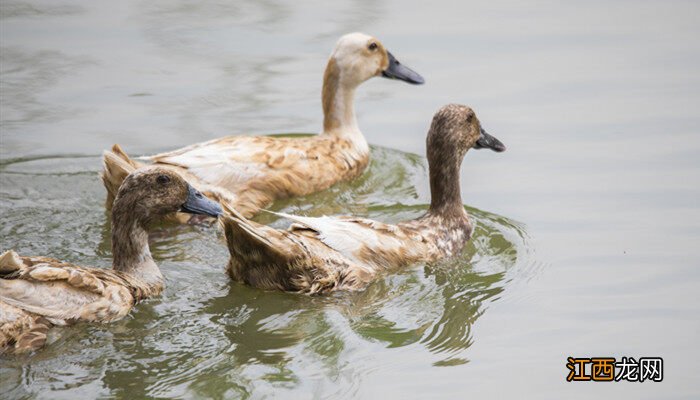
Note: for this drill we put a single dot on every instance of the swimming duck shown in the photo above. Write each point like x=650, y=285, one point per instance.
x=250, y=172
x=38, y=292
x=317, y=255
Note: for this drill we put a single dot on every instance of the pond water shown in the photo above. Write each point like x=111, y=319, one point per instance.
x=587, y=227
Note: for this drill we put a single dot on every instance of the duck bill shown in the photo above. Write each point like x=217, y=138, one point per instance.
x=487, y=141
x=396, y=70
x=197, y=203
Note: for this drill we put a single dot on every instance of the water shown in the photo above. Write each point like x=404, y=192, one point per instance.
x=587, y=226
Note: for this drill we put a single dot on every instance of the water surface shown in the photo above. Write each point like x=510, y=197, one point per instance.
x=587, y=227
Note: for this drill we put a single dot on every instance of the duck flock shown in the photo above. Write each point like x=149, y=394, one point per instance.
x=233, y=178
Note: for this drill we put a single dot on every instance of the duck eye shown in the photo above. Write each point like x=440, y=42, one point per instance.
x=163, y=179
x=372, y=46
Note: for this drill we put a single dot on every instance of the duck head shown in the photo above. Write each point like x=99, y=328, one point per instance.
x=455, y=129
x=356, y=58
x=153, y=192
x=359, y=57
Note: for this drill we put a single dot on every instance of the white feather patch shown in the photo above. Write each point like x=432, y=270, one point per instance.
x=343, y=236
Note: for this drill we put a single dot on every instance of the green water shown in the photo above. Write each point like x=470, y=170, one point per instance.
x=587, y=226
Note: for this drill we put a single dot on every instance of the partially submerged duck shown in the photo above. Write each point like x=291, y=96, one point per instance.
x=38, y=292
x=317, y=255
x=250, y=172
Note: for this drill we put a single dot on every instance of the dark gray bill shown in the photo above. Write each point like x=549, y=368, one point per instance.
x=197, y=203
x=487, y=141
x=396, y=70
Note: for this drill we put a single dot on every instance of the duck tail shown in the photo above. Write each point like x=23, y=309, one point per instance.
x=245, y=238
x=116, y=166
x=10, y=262
x=239, y=230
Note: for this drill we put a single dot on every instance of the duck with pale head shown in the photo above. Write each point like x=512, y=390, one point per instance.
x=250, y=172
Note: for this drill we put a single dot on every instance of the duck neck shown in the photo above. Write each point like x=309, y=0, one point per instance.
x=130, y=250
x=338, y=97
x=445, y=196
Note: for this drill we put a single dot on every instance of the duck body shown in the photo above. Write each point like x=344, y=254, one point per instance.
x=323, y=254
x=42, y=292
x=39, y=292
x=248, y=173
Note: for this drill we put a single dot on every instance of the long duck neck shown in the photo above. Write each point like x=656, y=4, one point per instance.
x=445, y=196
x=130, y=250
x=338, y=97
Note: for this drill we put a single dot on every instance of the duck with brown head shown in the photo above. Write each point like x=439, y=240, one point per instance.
x=455, y=129
x=250, y=172
x=37, y=292
x=323, y=254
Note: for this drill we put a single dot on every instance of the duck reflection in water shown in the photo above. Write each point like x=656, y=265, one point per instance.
x=433, y=308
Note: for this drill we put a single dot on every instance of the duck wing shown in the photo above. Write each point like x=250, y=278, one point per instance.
x=295, y=260
x=65, y=292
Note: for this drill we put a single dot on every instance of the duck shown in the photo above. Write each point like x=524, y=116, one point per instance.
x=39, y=292
x=251, y=172
x=324, y=254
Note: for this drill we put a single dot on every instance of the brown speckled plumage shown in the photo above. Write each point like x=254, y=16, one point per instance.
x=317, y=255
x=37, y=292
x=249, y=173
